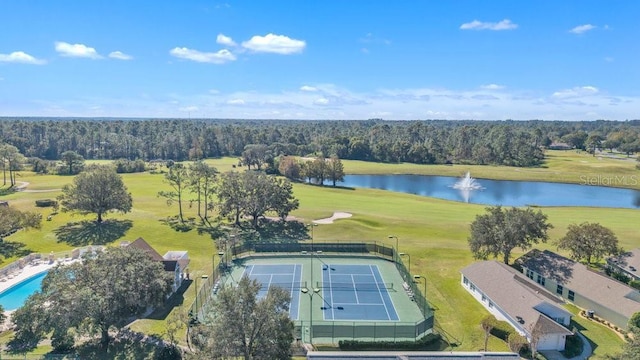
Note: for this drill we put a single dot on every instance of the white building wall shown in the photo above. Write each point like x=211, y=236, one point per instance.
x=495, y=310
x=551, y=342
x=547, y=342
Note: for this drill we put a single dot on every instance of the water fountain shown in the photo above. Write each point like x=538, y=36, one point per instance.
x=466, y=185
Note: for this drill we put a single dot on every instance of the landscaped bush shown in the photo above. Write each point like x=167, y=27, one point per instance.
x=128, y=166
x=620, y=276
x=502, y=330
x=46, y=203
x=635, y=284
x=422, y=344
x=573, y=346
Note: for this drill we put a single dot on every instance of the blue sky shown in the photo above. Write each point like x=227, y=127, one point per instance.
x=356, y=59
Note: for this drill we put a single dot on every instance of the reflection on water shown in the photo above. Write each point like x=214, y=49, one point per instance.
x=501, y=192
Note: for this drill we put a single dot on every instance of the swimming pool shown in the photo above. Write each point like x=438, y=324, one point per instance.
x=15, y=296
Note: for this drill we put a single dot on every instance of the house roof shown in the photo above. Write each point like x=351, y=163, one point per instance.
x=509, y=290
x=144, y=246
x=410, y=355
x=574, y=276
x=629, y=261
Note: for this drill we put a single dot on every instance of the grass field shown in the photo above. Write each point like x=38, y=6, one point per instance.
x=433, y=232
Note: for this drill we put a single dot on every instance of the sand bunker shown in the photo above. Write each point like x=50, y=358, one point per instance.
x=335, y=216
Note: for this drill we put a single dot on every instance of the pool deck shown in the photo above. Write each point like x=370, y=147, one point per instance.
x=21, y=275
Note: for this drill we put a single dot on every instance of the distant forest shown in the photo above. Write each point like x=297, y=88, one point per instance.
x=513, y=143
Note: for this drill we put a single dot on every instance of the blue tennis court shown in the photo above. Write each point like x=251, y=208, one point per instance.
x=286, y=276
x=356, y=292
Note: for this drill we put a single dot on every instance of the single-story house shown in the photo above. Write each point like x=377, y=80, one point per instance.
x=510, y=297
x=175, y=262
x=556, y=145
x=609, y=299
x=628, y=263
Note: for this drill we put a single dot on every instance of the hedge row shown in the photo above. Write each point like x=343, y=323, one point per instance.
x=421, y=344
x=46, y=203
x=502, y=330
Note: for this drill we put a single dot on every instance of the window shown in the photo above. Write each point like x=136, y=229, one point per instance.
x=484, y=298
x=559, y=289
x=530, y=274
x=472, y=287
x=490, y=305
x=465, y=280
x=540, y=280
x=572, y=295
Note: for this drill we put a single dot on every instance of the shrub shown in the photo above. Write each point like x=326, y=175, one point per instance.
x=46, y=203
x=421, y=344
x=573, y=346
x=635, y=284
x=502, y=330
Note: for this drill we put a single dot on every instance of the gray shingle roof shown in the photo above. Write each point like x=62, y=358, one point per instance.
x=508, y=289
x=629, y=261
x=574, y=276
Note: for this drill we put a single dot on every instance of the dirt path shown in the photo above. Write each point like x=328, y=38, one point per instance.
x=23, y=187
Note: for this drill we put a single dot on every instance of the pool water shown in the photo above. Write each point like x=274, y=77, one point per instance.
x=15, y=296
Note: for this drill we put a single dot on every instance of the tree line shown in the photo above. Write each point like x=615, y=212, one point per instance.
x=513, y=143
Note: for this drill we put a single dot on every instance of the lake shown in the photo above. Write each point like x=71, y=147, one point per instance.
x=502, y=192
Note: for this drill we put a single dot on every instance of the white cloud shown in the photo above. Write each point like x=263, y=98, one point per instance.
x=505, y=24
x=22, y=58
x=581, y=29
x=225, y=40
x=220, y=57
x=76, y=50
x=492, y=87
x=271, y=43
x=308, y=88
x=578, y=91
x=120, y=55
x=609, y=59
x=189, y=108
x=331, y=101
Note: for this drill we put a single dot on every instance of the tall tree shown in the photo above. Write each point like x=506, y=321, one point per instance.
x=589, y=241
x=11, y=159
x=98, y=294
x=487, y=324
x=202, y=180
x=231, y=195
x=318, y=169
x=98, y=189
x=12, y=219
x=499, y=231
x=335, y=170
x=241, y=324
x=178, y=180
x=73, y=162
x=289, y=167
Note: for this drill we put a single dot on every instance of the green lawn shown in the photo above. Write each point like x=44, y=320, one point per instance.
x=433, y=232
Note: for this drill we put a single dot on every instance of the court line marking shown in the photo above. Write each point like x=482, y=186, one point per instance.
x=333, y=314
x=355, y=292
x=293, y=283
x=380, y=293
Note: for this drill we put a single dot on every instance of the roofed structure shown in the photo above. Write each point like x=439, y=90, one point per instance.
x=610, y=299
x=513, y=298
